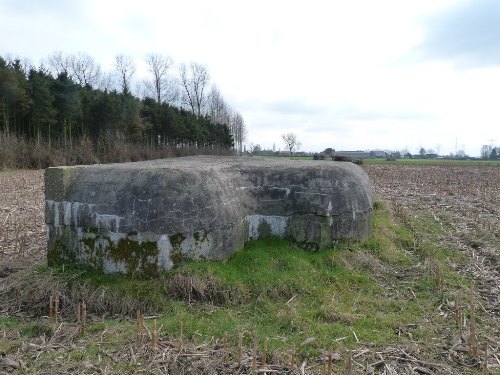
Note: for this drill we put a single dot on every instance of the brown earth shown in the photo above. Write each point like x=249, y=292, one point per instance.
x=22, y=223
x=463, y=202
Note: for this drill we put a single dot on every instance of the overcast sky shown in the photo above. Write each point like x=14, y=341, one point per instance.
x=358, y=74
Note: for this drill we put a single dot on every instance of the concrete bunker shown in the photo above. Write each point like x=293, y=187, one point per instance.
x=141, y=218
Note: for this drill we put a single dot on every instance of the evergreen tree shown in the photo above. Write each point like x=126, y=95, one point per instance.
x=43, y=112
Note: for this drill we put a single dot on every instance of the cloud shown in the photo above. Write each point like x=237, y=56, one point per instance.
x=59, y=8
x=467, y=34
x=391, y=115
x=293, y=106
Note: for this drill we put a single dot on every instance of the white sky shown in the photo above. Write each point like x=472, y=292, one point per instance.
x=358, y=74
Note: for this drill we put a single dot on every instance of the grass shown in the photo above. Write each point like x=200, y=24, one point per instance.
x=449, y=162
x=274, y=289
x=419, y=162
x=378, y=292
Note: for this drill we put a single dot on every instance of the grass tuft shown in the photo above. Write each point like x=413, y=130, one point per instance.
x=351, y=293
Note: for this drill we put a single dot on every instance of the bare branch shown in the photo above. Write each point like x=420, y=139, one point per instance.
x=194, y=82
x=291, y=142
x=125, y=69
x=160, y=86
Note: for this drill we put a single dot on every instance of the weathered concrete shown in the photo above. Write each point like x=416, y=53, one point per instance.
x=140, y=218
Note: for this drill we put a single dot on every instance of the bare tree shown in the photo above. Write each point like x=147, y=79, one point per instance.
x=107, y=82
x=160, y=86
x=238, y=131
x=58, y=63
x=194, y=81
x=291, y=142
x=253, y=148
x=125, y=69
x=80, y=67
x=217, y=107
x=84, y=69
x=486, y=151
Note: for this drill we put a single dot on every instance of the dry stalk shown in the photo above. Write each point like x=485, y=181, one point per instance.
x=154, y=338
x=349, y=362
x=78, y=313
x=240, y=344
x=485, y=364
x=329, y=364
x=264, y=354
x=473, y=344
x=138, y=327
x=292, y=359
x=181, y=337
x=17, y=238
x=56, y=308
x=224, y=344
x=458, y=313
x=254, y=355
x=83, y=317
x=51, y=303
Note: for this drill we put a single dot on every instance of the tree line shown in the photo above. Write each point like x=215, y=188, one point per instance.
x=68, y=99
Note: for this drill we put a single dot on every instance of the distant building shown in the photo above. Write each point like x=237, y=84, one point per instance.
x=378, y=154
x=328, y=152
x=265, y=153
x=354, y=155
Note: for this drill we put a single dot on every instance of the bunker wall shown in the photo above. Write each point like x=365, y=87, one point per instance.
x=141, y=218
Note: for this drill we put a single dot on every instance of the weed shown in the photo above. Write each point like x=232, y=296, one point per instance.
x=35, y=329
x=268, y=298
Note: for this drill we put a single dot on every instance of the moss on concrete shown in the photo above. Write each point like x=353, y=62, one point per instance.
x=177, y=256
x=89, y=242
x=264, y=229
x=94, y=230
x=200, y=237
x=59, y=254
x=140, y=258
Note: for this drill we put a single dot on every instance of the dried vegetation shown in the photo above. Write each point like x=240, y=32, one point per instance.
x=450, y=212
x=22, y=224
x=452, y=207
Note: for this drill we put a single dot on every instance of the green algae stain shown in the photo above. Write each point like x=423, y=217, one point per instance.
x=140, y=258
x=264, y=229
x=95, y=248
x=93, y=230
x=89, y=242
x=58, y=255
x=176, y=240
x=176, y=255
x=58, y=251
x=200, y=237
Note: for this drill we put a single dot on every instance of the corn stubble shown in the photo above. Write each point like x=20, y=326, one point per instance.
x=463, y=204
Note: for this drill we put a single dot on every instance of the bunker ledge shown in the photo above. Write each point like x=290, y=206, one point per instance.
x=145, y=217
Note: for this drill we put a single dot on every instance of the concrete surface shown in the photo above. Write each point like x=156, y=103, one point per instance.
x=141, y=218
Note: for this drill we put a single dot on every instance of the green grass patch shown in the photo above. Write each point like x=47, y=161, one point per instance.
x=272, y=288
x=450, y=162
x=35, y=329
x=8, y=322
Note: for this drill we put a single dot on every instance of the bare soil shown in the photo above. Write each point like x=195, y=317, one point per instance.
x=465, y=202
x=22, y=223
x=462, y=202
